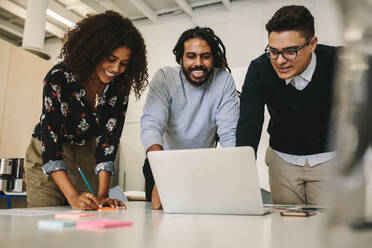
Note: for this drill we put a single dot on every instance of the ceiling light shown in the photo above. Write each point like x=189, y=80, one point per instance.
x=60, y=18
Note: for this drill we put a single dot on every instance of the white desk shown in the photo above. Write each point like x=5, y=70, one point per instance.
x=156, y=229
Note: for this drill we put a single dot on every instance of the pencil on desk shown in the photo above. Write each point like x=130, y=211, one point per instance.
x=299, y=209
x=85, y=180
x=308, y=208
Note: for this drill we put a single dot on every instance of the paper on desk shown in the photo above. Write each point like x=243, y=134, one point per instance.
x=117, y=193
x=33, y=212
x=135, y=195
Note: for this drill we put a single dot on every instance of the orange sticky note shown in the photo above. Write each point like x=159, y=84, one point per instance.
x=108, y=209
x=72, y=215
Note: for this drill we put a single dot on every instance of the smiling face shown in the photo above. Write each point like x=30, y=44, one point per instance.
x=197, y=61
x=284, y=68
x=112, y=66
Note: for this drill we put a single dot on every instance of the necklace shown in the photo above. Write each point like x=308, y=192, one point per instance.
x=98, y=98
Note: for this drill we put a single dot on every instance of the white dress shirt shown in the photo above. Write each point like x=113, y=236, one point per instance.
x=300, y=82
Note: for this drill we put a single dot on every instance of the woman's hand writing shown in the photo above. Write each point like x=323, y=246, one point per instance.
x=85, y=201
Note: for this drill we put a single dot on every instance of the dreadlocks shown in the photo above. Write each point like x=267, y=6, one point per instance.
x=215, y=43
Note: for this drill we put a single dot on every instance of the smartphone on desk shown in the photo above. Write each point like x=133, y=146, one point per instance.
x=298, y=213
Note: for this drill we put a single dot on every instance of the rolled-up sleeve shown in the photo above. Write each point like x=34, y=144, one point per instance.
x=52, y=166
x=105, y=166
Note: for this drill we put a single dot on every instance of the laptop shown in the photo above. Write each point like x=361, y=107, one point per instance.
x=208, y=181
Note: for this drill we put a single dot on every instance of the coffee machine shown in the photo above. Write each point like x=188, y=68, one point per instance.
x=5, y=174
x=17, y=173
x=11, y=172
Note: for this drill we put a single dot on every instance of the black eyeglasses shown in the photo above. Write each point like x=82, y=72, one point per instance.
x=288, y=54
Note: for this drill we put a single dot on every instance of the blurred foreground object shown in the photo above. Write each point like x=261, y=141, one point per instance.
x=346, y=224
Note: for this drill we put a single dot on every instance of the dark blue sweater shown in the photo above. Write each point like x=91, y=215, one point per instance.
x=300, y=120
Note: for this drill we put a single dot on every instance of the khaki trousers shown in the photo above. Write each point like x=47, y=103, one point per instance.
x=41, y=189
x=293, y=184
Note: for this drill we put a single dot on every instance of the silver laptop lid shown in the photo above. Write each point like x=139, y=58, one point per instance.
x=211, y=180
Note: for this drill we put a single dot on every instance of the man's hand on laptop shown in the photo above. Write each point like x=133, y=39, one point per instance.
x=155, y=147
x=155, y=200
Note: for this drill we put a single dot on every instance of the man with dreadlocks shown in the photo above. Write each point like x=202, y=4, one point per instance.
x=189, y=104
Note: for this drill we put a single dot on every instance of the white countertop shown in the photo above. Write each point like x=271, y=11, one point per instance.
x=155, y=229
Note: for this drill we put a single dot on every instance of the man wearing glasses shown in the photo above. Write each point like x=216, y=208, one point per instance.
x=294, y=78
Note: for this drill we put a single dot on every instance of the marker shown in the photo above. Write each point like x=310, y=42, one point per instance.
x=305, y=208
x=85, y=180
x=299, y=209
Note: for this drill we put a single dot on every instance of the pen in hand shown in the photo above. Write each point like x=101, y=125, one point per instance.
x=85, y=180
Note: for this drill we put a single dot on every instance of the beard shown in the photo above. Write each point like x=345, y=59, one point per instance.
x=197, y=68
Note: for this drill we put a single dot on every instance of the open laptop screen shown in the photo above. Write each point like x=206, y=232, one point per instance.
x=210, y=180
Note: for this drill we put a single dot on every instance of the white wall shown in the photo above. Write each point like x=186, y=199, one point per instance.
x=242, y=30
x=53, y=47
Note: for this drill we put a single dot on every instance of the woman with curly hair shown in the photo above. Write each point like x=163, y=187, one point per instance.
x=85, y=99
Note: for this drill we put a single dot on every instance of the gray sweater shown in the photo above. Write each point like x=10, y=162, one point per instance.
x=178, y=115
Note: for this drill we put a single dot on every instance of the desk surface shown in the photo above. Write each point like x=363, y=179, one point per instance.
x=156, y=229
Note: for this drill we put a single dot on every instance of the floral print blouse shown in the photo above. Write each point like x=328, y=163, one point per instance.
x=68, y=117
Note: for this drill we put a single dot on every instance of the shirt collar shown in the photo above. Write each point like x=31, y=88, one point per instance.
x=306, y=74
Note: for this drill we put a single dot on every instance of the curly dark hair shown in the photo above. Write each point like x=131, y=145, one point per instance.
x=95, y=37
x=292, y=17
x=215, y=43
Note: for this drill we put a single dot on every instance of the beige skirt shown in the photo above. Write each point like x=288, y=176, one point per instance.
x=41, y=189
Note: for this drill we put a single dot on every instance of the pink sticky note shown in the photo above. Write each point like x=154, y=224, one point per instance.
x=72, y=215
x=101, y=223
